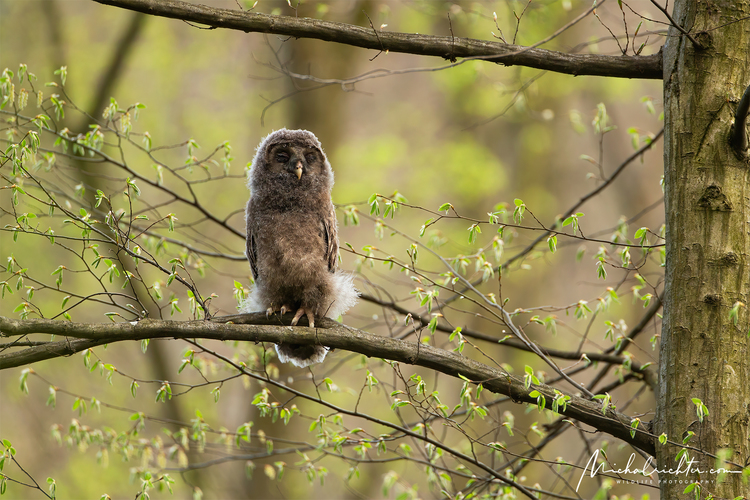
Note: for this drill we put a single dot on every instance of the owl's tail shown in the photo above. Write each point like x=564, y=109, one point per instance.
x=301, y=355
x=254, y=302
x=344, y=296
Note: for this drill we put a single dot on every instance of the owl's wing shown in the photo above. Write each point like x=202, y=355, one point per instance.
x=331, y=239
x=251, y=249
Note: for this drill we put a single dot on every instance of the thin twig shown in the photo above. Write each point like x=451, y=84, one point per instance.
x=518, y=20
x=376, y=35
x=452, y=57
x=674, y=23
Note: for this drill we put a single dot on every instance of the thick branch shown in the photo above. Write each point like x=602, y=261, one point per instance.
x=331, y=334
x=446, y=47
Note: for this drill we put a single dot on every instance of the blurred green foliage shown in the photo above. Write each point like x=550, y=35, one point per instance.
x=426, y=134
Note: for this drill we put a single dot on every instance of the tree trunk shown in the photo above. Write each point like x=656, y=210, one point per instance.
x=705, y=349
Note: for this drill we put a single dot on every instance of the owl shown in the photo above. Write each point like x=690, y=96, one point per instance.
x=292, y=241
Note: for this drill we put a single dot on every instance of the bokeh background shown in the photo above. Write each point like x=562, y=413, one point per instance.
x=477, y=135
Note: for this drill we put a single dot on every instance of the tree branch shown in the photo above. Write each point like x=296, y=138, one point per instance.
x=329, y=333
x=446, y=47
x=647, y=372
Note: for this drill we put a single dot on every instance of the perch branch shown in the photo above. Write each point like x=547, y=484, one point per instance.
x=331, y=334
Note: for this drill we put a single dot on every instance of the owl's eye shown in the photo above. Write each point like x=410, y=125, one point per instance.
x=282, y=157
x=310, y=157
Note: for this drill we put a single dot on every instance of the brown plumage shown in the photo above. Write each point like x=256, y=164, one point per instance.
x=292, y=241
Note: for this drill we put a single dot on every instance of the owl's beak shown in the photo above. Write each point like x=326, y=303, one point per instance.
x=298, y=170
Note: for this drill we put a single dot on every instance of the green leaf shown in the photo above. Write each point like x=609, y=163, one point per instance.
x=474, y=229
x=63, y=72
x=552, y=242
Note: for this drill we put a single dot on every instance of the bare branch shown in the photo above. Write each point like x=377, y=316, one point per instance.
x=648, y=373
x=446, y=47
x=630, y=159
x=677, y=26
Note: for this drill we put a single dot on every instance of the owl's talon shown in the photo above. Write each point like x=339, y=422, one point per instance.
x=285, y=309
x=269, y=311
x=310, y=316
x=297, y=316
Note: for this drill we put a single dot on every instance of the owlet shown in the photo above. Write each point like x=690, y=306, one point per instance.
x=292, y=241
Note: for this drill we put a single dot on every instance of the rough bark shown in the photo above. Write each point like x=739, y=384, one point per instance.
x=705, y=351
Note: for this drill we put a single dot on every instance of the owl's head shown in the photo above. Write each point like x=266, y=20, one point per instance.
x=291, y=160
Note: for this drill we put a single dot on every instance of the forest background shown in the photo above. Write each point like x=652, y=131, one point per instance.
x=475, y=135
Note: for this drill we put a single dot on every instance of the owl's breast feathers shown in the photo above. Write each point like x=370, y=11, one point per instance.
x=294, y=254
x=296, y=232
